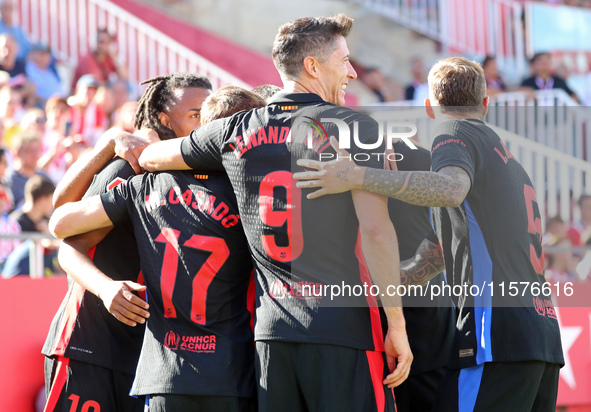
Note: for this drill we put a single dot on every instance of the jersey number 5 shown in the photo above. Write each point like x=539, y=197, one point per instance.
x=534, y=226
x=219, y=253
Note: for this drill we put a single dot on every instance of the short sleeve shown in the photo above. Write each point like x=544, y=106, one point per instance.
x=119, y=200
x=114, y=173
x=202, y=149
x=451, y=148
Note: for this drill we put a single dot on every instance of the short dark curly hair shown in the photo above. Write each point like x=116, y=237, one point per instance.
x=307, y=36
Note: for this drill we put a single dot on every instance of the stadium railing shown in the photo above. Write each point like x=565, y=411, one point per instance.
x=469, y=27
x=70, y=26
x=559, y=178
x=553, y=119
x=36, y=265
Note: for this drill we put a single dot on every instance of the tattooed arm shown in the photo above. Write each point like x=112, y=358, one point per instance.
x=423, y=266
x=446, y=188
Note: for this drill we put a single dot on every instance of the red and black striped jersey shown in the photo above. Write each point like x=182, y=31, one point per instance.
x=197, y=269
x=83, y=329
x=302, y=249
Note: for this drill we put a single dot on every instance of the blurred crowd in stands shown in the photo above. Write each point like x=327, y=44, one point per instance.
x=48, y=121
x=566, y=257
x=375, y=87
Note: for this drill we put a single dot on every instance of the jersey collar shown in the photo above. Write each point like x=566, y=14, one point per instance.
x=295, y=98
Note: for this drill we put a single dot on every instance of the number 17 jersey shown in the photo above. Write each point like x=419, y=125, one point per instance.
x=197, y=270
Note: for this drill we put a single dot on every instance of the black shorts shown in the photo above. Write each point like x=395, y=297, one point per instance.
x=306, y=377
x=198, y=403
x=417, y=393
x=79, y=386
x=500, y=386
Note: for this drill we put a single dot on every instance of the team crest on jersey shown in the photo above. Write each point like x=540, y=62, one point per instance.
x=115, y=182
x=172, y=340
x=298, y=290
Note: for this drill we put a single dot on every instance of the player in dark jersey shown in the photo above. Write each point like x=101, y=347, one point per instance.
x=429, y=322
x=197, y=352
x=507, y=351
x=91, y=356
x=307, y=345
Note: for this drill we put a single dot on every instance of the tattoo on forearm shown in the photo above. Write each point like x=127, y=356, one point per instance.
x=447, y=187
x=424, y=266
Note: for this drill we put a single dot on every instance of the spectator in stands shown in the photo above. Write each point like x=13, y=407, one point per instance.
x=34, y=122
x=266, y=91
x=100, y=62
x=578, y=227
x=38, y=71
x=105, y=99
x=8, y=58
x=17, y=263
x=7, y=26
x=555, y=229
x=57, y=112
x=121, y=93
x=375, y=80
x=33, y=217
x=11, y=112
x=543, y=79
x=88, y=118
x=125, y=116
x=38, y=207
x=494, y=82
x=8, y=226
x=418, y=78
x=74, y=147
x=561, y=264
x=27, y=153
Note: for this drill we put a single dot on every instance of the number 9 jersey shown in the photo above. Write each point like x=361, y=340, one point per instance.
x=311, y=283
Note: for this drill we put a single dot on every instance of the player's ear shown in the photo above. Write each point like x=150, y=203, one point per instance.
x=429, y=109
x=485, y=106
x=164, y=119
x=311, y=67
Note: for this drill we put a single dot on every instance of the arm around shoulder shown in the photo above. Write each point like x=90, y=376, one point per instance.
x=165, y=155
x=79, y=217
